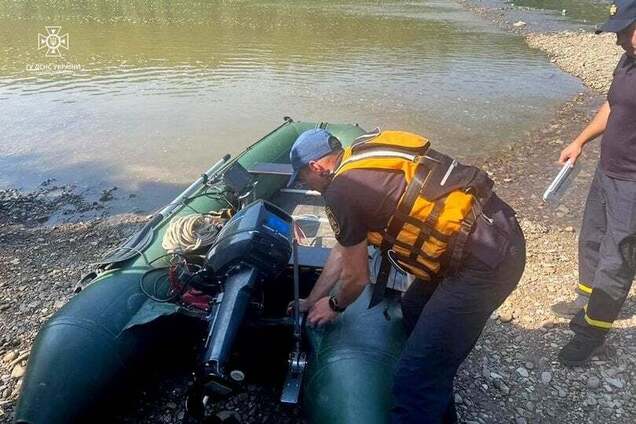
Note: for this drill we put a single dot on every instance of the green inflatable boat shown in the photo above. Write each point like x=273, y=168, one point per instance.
x=269, y=247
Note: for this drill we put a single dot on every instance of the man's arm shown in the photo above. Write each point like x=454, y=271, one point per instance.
x=354, y=276
x=328, y=277
x=593, y=130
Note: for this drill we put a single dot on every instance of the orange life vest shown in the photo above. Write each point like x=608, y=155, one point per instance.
x=427, y=233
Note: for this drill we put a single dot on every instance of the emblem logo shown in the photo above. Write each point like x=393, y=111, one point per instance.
x=613, y=10
x=53, y=41
x=332, y=221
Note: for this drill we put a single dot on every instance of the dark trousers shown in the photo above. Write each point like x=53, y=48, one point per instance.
x=607, y=253
x=444, y=319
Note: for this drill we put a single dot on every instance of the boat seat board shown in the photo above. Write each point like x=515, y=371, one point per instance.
x=310, y=256
x=309, y=213
x=269, y=168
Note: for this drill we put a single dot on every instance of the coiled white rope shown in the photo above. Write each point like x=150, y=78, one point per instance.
x=188, y=233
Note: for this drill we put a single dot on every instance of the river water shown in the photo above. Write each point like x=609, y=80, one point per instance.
x=152, y=92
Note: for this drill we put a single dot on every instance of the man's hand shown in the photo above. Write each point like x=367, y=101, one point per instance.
x=593, y=130
x=571, y=152
x=304, y=306
x=321, y=313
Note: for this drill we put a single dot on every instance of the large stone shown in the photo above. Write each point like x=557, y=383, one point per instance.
x=522, y=372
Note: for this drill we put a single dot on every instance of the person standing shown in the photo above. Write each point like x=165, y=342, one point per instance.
x=607, y=241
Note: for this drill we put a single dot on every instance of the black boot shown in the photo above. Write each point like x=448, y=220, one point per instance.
x=567, y=309
x=579, y=350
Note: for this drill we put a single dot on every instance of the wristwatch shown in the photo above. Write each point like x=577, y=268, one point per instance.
x=333, y=304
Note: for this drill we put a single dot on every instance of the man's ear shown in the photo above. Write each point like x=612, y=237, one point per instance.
x=315, y=166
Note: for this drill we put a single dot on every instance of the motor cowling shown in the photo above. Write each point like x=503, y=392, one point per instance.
x=259, y=236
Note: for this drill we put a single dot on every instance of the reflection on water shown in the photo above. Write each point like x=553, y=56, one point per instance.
x=167, y=87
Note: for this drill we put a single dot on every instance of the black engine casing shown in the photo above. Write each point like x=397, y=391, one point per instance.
x=260, y=235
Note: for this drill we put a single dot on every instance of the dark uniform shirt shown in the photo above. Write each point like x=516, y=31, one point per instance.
x=618, y=147
x=362, y=201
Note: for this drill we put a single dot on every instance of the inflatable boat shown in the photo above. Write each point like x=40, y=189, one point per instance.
x=231, y=304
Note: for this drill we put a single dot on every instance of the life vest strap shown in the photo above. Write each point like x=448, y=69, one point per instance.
x=426, y=229
x=417, y=264
x=396, y=223
x=458, y=243
x=433, y=232
x=395, y=242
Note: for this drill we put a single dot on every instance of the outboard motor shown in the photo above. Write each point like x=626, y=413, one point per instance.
x=253, y=246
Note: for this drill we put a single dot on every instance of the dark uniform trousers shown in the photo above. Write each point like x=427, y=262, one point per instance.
x=607, y=249
x=444, y=319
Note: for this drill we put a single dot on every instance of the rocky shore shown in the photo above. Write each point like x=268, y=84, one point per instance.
x=511, y=376
x=589, y=57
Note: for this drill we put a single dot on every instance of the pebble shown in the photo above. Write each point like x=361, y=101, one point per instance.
x=593, y=382
x=18, y=371
x=458, y=399
x=522, y=372
x=546, y=377
x=521, y=420
x=505, y=317
x=547, y=324
x=590, y=401
x=15, y=261
x=9, y=356
x=615, y=382
x=501, y=386
x=519, y=24
x=485, y=373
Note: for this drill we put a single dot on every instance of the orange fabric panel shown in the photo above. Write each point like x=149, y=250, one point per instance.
x=400, y=139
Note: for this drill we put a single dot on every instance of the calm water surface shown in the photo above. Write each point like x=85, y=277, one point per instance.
x=583, y=11
x=161, y=89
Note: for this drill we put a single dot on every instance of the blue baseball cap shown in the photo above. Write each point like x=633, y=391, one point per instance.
x=622, y=15
x=311, y=145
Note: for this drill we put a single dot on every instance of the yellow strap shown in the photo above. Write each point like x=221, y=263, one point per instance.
x=585, y=289
x=597, y=323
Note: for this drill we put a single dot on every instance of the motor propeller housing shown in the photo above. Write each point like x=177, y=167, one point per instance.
x=255, y=245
